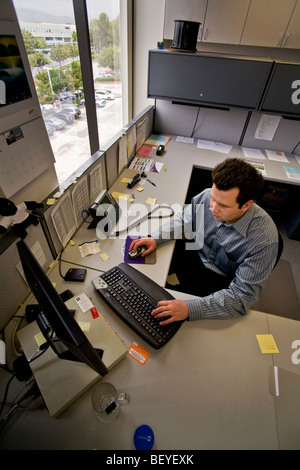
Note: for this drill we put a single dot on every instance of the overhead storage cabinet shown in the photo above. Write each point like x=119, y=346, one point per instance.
x=283, y=93
x=207, y=80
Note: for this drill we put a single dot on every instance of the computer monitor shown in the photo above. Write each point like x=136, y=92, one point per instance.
x=55, y=321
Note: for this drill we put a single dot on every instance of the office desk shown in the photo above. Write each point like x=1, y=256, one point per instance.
x=208, y=388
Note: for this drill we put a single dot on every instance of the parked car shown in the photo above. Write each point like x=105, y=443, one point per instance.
x=53, y=121
x=72, y=110
x=65, y=95
x=99, y=102
x=47, y=107
x=104, y=94
x=50, y=129
x=68, y=117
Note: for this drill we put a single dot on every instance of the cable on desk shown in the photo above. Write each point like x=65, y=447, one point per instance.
x=145, y=217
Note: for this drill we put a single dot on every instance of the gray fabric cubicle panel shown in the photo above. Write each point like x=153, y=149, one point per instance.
x=210, y=124
x=85, y=170
x=286, y=137
x=14, y=290
x=111, y=149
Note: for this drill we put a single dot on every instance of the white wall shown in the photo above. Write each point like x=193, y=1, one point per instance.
x=148, y=23
x=41, y=186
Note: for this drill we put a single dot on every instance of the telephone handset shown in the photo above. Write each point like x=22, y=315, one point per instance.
x=105, y=209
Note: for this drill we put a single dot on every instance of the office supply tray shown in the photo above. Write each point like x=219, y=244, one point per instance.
x=133, y=296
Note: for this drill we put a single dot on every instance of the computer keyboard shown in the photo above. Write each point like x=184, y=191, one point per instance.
x=133, y=296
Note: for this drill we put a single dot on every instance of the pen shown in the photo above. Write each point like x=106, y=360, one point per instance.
x=151, y=182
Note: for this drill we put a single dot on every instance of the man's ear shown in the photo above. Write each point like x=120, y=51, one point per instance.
x=247, y=205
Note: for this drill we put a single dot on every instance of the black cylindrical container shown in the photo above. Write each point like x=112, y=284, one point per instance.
x=185, y=35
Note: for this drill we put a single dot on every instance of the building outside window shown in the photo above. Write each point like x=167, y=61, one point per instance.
x=50, y=37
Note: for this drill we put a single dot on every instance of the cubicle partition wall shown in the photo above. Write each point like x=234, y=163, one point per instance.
x=63, y=209
x=64, y=216
x=14, y=288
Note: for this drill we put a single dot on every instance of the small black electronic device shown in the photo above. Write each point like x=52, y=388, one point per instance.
x=138, y=252
x=75, y=275
x=160, y=150
x=105, y=209
x=134, y=180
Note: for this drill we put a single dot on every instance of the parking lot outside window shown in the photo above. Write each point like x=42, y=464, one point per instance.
x=56, y=68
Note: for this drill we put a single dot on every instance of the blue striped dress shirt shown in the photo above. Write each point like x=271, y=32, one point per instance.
x=246, y=249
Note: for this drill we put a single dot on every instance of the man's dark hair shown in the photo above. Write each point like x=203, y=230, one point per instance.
x=236, y=173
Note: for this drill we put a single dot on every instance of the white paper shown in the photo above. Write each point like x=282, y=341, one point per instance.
x=89, y=248
x=83, y=302
x=260, y=166
x=141, y=164
x=63, y=219
x=216, y=146
x=253, y=153
x=186, y=140
x=97, y=180
x=267, y=127
x=80, y=199
x=141, y=132
x=277, y=156
x=123, y=157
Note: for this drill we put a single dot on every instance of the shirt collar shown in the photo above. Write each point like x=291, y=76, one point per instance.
x=243, y=223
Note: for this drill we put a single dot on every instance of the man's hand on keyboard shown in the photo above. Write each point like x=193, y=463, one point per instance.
x=175, y=310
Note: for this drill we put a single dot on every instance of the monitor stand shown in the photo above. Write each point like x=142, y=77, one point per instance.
x=70, y=378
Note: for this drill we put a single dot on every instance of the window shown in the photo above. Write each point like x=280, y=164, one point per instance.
x=56, y=67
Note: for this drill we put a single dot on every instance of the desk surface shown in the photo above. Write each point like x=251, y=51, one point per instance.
x=208, y=388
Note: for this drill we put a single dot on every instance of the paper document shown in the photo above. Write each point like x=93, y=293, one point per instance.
x=292, y=173
x=253, y=153
x=267, y=127
x=141, y=164
x=97, y=180
x=63, y=219
x=80, y=199
x=277, y=156
x=157, y=140
x=215, y=146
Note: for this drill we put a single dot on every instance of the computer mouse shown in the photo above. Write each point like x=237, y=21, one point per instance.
x=135, y=254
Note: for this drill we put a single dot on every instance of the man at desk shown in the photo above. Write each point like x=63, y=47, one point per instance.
x=239, y=250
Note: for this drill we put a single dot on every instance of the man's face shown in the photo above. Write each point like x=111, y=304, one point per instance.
x=224, y=206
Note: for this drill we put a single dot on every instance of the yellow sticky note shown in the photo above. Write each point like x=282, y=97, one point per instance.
x=40, y=339
x=140, y=189
x=51, y=201
x=84, y=325
x=150, y=200
x=104, y=256
x=117, y=195
x=267, y=344
x=125, y=180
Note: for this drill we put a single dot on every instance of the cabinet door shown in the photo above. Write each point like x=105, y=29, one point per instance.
x=188, y=10
x=206, y=80
x=266, y=22
x=283, y=93
x=224, y=21
x=292, y=35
